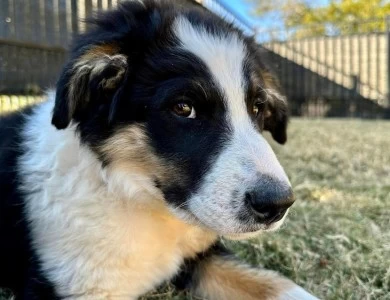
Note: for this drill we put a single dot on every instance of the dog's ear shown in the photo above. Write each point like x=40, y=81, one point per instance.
x=103, y=58
x=94, y=76
x=276, y=110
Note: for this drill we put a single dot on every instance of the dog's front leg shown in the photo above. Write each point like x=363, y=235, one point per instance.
x=217, y=275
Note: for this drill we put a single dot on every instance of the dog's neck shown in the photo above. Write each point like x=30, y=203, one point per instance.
x=78, y=211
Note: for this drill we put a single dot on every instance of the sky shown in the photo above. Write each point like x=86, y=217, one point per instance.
x=246, y=7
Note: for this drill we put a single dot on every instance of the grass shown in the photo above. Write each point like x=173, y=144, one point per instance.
x=336, y=240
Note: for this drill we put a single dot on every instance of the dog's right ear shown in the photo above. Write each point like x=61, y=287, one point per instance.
x=94, y=76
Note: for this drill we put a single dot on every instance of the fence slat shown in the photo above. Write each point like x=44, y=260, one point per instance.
x=74, y=16
x=5, y=19
x=388, y=61
x=62, y=23
x=49, y=22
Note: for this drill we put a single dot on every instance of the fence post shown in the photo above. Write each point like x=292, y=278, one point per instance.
x=74, y=8
x=5, y=19
x=387, y=105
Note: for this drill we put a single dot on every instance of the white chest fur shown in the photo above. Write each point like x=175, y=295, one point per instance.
x=91, y=240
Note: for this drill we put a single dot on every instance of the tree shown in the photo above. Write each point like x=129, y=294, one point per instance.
x=307, y=18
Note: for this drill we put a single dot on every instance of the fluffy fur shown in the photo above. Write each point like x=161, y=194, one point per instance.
x=110, y=189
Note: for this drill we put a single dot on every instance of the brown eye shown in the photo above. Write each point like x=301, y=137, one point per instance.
x=184, y=110
x=257, y=108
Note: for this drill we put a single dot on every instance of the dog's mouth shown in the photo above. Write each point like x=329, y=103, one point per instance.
x=241, y=231
x=255, y=233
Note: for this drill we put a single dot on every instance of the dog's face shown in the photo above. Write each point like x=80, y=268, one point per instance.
x=174, y=102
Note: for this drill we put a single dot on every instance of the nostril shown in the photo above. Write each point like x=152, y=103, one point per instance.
x=258, y=207
x=269, y=214
x=248, y=198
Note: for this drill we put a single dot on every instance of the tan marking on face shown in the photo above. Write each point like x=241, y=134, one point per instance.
x=129, y=149
x=223, y=279
x=98, y=51
x=267, y=113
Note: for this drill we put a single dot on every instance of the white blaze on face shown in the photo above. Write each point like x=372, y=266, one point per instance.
x=224, y=56
x=247, y=156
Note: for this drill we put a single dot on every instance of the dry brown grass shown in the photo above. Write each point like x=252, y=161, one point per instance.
x=336, y=241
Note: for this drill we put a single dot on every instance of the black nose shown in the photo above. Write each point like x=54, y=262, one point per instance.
x=270, y=199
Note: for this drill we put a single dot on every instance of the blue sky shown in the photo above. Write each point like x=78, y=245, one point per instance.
x=245, y=9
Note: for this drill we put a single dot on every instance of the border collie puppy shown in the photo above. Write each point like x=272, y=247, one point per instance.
x=149, y=150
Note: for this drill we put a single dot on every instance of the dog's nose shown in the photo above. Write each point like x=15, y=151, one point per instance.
x=270, y=199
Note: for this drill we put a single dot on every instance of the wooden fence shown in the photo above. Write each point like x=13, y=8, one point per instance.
x=34, y=38
x=349, y=71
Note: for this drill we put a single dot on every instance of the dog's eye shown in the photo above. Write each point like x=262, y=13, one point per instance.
x=185, y=110
x=257, y=108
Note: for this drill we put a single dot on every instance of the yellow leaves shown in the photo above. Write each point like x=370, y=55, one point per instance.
x=305, y=16
x=310, y=192
x=324, y=194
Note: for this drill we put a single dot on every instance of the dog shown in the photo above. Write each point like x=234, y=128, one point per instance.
x=150, y=149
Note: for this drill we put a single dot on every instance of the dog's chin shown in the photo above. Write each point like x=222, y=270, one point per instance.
x=243, y=236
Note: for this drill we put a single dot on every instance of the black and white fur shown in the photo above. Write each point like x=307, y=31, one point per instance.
x=106, y=192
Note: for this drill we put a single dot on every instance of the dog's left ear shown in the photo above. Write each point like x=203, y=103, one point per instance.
x=93, y=76
x=276, y=110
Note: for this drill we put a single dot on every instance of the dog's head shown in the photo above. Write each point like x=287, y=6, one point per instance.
x=174, y=102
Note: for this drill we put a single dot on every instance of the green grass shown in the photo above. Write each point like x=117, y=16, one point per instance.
x=336, y=240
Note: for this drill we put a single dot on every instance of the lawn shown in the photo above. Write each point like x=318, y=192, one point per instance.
x=336, y=240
